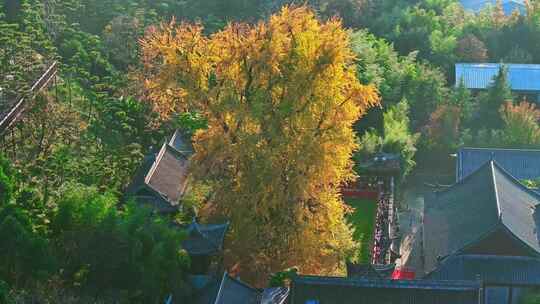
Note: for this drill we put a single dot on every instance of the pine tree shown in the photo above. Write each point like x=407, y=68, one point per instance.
x=6, y=181
x=498, y=93
x=462, y=98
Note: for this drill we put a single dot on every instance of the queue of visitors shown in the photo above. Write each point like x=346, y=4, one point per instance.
x=381, y=240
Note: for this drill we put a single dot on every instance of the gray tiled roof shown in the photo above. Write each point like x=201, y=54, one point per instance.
x=181, y=143
x=168, y=175
x=205, y=239
x=381, y=163
x=491, y=269
x=347, y=290
x=487, y=201
x=369, y=271
x=522, y=164
x=162, y=179
x=228, y=290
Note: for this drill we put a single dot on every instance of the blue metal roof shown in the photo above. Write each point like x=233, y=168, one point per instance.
x=508, y=5
x=522, y=164
x=521, y=77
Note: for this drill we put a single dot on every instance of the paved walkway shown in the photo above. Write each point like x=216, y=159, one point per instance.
x=410, y=220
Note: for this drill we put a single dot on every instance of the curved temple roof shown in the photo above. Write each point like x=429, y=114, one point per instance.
x=161, y=181
x=487, y=201
x=205, y=239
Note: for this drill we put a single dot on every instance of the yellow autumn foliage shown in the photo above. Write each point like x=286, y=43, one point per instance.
x=280, y=98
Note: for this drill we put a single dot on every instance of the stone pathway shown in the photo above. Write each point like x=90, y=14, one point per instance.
x=410, y=221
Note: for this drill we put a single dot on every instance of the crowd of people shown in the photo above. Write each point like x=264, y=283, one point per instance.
x=381, y=240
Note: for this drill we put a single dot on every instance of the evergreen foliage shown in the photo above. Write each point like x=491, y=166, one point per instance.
x=397, y=138
x=498, y=93
x=62, y=228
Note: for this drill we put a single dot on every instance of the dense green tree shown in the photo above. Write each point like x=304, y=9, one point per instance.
x=397, y=77
x=121, y=37
x=6, y=181
x=471, y=49
x=25, y=255
x=521, y=128
x=462, y=98
x=443, y=129
x=497, y=94
x=396, y=138
x=518, y=55
x=104, y=251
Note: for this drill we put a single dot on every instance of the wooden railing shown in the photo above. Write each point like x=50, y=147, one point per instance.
x=18, y=108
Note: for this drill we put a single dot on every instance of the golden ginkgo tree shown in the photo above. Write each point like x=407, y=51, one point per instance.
x=280, y=98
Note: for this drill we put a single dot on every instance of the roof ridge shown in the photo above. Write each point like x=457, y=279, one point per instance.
x=520, y=240
x=393, y=283
x=215, y=243
x=155, y=164
x=178, y=153
x=493, y=256
x=171, y=141
x=495, y=189
x=157, y=192
x=220, y=287
x=463, y=180
x=516, y=181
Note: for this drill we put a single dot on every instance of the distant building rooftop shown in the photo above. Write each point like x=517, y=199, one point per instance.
x=380, y=163
x=509, y=6
x=520, y=163
x=521, y=77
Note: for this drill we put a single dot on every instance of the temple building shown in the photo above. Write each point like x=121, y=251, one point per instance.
x=204, y=244
x=487, y=213
x=162, y=180
x=228, y=290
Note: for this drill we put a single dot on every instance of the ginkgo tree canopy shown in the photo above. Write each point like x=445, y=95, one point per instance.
x=280, y=98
